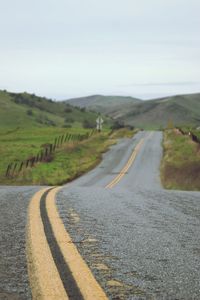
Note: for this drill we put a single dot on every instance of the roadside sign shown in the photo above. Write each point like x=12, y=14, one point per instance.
x=99, y=122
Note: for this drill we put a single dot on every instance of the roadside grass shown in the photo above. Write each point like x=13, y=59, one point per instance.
x=180, y=168
x=19, y=144
x=67, y=163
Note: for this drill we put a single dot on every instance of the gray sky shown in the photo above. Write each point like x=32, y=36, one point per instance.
x=69, y=48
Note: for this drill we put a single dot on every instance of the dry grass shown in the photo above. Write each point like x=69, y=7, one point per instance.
x=181, y=162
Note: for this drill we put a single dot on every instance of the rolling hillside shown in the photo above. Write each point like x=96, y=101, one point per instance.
x=29, y=110
x=155, y=114
x=180, y=110
x=109, y=105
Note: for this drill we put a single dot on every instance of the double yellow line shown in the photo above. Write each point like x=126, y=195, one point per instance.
x=45, y=279
x=126, y=167
x=45, y=276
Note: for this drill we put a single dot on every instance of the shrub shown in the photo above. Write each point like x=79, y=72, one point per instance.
x=67, y=126
x=69, y=120
x=29, y=112
x=68, y=110
x=88, y=124
x=117, y=125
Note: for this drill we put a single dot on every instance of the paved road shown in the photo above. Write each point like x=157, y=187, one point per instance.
x=14, y=203
x=141, y=241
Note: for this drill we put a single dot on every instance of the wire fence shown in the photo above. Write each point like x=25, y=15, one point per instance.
x=45, y=155
x=193, y=136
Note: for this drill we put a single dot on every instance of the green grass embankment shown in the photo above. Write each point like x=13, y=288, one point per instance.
x=181, y=162
x=68, y=162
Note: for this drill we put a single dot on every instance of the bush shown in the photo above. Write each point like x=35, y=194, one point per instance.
x=29, y=112
x=88, y=124
x=117, y=125
x=69, y=120
x=68, y=110
x=67, y=126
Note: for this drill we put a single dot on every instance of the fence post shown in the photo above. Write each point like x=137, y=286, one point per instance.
x=8, y=170
x=38, y=157
x=62, y=138
x=46, y=152
x=66, y=137
x=41, y=155
x=51, y=148
x=32, y=161
x=21, y=166
x=55, y=144
x=15, y=166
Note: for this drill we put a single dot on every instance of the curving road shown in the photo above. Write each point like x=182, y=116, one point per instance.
x=140, y=241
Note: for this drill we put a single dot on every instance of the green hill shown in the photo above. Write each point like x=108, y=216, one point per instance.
x=30, y=124
x=180, y=110
x=109, y=105
x=29, y=110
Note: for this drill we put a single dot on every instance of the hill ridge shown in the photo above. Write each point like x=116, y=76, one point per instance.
x=181, y=109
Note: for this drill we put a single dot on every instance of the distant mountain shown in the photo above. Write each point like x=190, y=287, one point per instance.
x=156, y=113
x=29, y=110
x=110, y=105
x=179, y=110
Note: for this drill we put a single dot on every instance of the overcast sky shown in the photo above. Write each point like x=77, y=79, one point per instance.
x=70, y=48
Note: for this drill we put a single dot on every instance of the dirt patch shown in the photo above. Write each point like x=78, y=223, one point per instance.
x=186, y=175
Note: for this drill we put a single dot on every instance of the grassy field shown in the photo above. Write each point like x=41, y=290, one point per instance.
x=28, y=123
x=68, y=162
x=181, y=162
x=19, y=145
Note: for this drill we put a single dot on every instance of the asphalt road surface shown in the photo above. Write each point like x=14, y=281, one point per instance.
x=14, y=203
x=140, y=241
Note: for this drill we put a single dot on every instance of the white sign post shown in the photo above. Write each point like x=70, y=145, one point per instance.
x=99, y=122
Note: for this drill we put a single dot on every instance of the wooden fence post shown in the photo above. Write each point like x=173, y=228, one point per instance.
x=8, y=169
x=41, y=155
x=32, y=161
x=15, y=166
x=46, y=152
x=21, y=166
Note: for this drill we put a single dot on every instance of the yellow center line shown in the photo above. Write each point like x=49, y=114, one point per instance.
x=43, y=275
x=127, y=166
x=45, y=280
x=85, y=280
